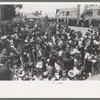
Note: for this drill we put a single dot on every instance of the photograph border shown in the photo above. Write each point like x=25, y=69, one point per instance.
x=51, y=97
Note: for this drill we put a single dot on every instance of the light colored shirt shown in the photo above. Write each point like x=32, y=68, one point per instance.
x=88, y=56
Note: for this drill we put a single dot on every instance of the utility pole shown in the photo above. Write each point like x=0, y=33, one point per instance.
x=78, y=10
x=0, y=13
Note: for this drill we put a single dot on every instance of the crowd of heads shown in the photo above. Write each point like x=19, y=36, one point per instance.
x=49, y=50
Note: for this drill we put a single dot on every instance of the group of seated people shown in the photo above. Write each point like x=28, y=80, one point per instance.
x=48, y=51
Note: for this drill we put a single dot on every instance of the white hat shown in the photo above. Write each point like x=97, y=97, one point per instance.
x=1, y=65
x=27, y=26
x=4, y=37
x=26, y=41
x=45, y=73
x=71, y=73
x=57, y=75
x=91, y=26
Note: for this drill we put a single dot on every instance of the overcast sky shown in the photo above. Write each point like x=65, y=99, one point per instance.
x=48, y=8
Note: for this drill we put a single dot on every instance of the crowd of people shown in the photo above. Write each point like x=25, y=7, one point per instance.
x=48, y=50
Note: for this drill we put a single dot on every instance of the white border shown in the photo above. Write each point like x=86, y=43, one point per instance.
x=49, y=2
x=45, y=89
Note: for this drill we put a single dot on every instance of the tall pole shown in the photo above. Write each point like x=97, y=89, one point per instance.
x=78, y=10
x=0, y=13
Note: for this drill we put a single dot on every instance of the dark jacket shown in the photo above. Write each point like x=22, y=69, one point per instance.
x=68, y=63
x=5, y=73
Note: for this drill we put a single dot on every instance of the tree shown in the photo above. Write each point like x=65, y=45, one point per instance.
x=9, y=11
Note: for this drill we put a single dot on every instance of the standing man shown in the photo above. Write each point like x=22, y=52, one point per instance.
x=99, y=29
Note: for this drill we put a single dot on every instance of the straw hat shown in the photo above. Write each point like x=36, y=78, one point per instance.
x=1, y=65
x=71, y=73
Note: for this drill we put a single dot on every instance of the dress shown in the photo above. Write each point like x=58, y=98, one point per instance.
x=88, y=63
x=68, y=63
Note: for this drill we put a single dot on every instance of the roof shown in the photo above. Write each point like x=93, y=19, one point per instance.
x=31, y=16
x=67, y=9
x=93, y=7
x=93, y=18
x=70, y=17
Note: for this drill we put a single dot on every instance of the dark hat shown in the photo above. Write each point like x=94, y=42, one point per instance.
x=55, y=53
x=59, y=62
x=67, y=53
x=28, y=46
x=89, y=49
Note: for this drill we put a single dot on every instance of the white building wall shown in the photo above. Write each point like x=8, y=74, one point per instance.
x=63, y=12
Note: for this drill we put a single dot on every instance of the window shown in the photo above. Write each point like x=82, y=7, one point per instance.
x=99, y=12
x=67, y=13
x=89, y=13
x=63, y=13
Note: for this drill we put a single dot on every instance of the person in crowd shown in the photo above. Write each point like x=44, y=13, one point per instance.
x=88, y=62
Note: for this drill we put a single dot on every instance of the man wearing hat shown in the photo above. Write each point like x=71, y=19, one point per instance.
x=99, y=29
x=58, y=68
x=5, y=73
x=68, y=62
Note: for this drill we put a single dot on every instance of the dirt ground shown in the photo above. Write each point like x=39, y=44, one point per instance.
x=82, y=29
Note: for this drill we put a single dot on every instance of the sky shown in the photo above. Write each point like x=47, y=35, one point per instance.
x=48, y=8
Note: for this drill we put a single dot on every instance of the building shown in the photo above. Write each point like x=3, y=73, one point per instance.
x=68, y=15
x=68, y=12
x=91, y=15
x=34, y=15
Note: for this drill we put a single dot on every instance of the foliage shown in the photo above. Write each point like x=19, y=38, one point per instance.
x=9, y=11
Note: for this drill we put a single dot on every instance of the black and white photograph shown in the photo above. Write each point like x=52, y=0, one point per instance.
x=50, y=42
